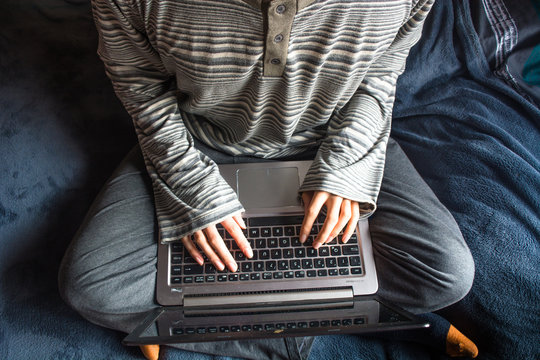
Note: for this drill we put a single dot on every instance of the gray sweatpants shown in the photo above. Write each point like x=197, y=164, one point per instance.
x=109, y=271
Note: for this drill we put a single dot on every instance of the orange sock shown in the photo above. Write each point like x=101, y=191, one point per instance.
x=151, y=352
x=458, y=345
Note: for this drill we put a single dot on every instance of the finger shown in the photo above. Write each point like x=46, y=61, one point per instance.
x=202, y=243
x=192, y=249
x=311, y=211
x=344, y=217
x=306, y=198
x=215, y=240
x=351, y=226
x=240, y=221
x=237, y=234
x=333, y=208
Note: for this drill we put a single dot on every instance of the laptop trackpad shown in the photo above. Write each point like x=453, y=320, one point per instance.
x=268, y=187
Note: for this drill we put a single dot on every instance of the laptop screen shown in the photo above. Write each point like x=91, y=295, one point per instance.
x=361, y=315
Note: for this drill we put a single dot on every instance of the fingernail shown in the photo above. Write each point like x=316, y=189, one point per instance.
x=233, y=267
x=303, y=238
x=345, y=239
x=249, y=253
x=199, y=260
x=316, y=245
x=242, y=223
x=219, y=265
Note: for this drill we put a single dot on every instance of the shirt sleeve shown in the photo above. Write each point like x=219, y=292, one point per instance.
x=189, y=192
x=350, y=160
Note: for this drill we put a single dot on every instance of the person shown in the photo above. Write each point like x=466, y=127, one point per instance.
x=212, y=81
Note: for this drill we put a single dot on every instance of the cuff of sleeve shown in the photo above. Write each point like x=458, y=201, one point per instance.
x=347, y=184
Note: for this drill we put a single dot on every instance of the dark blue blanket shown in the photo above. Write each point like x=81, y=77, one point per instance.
x=473, y=135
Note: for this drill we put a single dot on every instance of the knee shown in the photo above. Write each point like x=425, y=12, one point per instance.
x=451, y=279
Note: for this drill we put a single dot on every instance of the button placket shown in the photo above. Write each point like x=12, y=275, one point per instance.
x=280, y=15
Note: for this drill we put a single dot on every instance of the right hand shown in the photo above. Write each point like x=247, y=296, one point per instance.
x=212, y=245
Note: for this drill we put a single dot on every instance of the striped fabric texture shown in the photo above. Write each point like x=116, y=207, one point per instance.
x=197, y=68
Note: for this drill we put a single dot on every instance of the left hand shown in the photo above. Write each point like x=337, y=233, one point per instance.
x=341, y=214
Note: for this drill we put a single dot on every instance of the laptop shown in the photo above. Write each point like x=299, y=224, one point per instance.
x=286, y=289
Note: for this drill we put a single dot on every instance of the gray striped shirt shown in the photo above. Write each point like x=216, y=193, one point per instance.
x=266, y=79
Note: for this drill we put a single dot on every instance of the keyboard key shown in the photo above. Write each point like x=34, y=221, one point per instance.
x=222, y=278
x=209, y=269
x=177, y=331
x=224, y=329
x=176, y=270
x=246, y=266
x=235, y=328
x=322, y=272
x=350, y=250
x=333, y=272
x=283, y=265
x=335, y=250
x=300, y=274
x=210, y=278
x=266, y=232
x=288, y=274
x=307, y=264
x=359, y=321
x=233, y=277
x=289, y=231
x=324, y=251
x=212, y=329
x=331, y=262
x=311, y=273
x=319, y=263
x=288, y=253
x=343, y=261
x=176, y=259
x=260, y=243
x=295, y=241
x=302, y=325
x=325, y=323
x=190, y=331
x=291, y=325
x=356, y=271
x=294, y=264
x=258, y=266
x=314, y=324
x=255, y=276
x=269, y=327
x=343, y=271
x=271, y=265
x=177, y=247
x=239, y=256
x=272, y=242
x=300, y=252
x=253, y=233
x=346, y=322
x=280, y=326
x=193, y=269
x=355, y=260
x=188, y=280
x=275, y=253
x=176, y=280
x=201, y=330
x=277, y=231
x=257, y=327
x=278, y=275
x=311, y=252
x=284, y=242
x=267, y=276
x=244, y=277
x=199, y=279
x=336, y=322
x=246, y=327
x=264, y=254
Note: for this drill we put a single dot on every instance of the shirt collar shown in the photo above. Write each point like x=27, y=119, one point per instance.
x=300, y=4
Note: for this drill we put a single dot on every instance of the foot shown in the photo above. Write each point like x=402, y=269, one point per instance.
x=458, y=345
x=151, y=352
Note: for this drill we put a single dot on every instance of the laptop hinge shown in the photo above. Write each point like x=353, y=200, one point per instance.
x=268, y=298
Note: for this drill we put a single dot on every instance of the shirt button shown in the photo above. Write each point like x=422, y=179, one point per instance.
x=280, y=9
x=278, y=38
x=275, y=61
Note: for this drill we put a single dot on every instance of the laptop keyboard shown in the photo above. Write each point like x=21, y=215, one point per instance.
x=277, y=254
